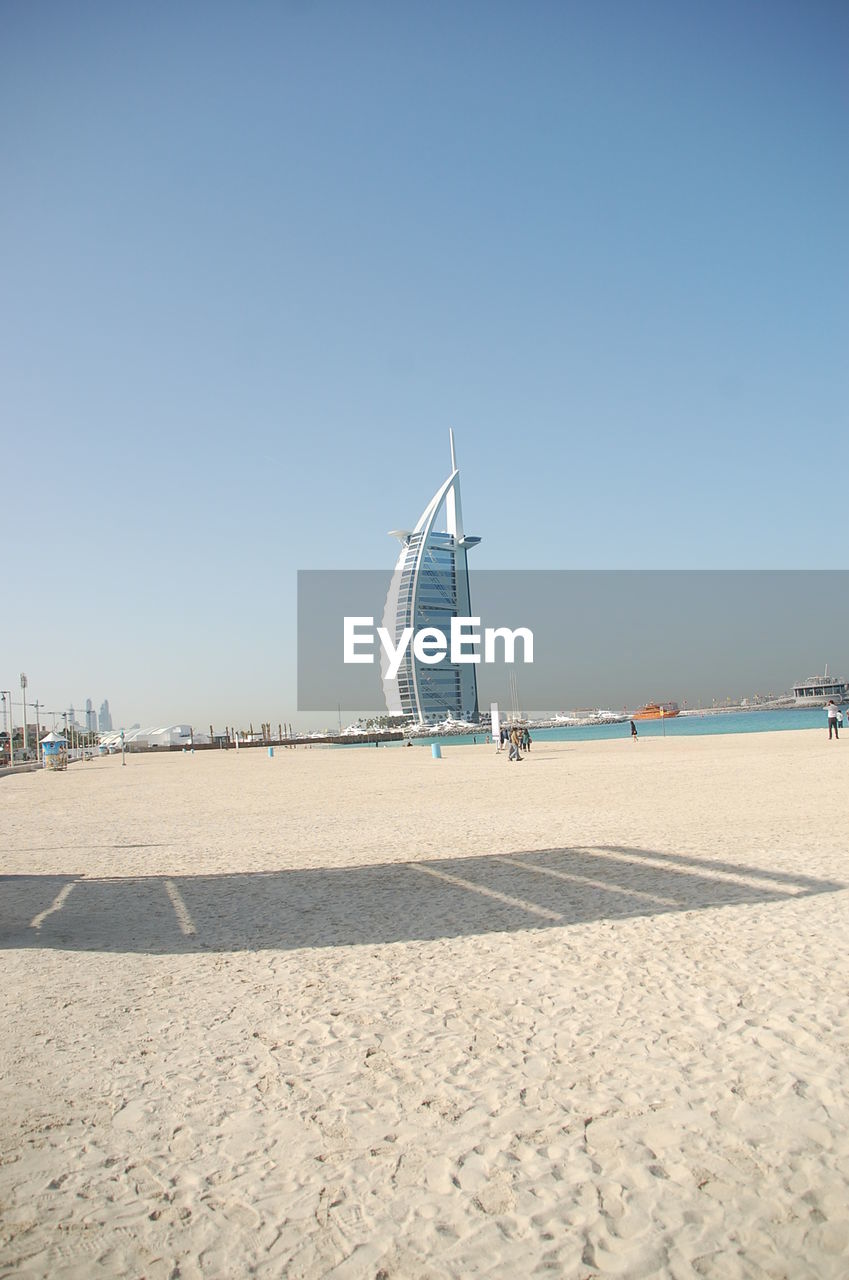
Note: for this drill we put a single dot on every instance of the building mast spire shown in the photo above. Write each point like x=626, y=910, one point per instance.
x=453, y=509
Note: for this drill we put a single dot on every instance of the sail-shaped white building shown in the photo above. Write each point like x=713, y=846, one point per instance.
x=430, y=585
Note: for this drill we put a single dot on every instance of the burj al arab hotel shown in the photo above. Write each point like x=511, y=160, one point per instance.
x=430, y=585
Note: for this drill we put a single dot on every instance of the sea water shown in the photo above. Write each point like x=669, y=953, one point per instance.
x=675, y=727
x=696, y=725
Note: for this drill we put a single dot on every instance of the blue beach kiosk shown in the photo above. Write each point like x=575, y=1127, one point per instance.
x=54, y=752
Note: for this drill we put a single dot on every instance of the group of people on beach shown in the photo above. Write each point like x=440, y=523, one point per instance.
x=517, y=739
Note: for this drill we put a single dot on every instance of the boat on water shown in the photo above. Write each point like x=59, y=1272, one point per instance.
x=656, y=711
x=817, y=690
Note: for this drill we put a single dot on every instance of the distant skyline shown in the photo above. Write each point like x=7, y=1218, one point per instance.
x=256, y=262
x=39, y=711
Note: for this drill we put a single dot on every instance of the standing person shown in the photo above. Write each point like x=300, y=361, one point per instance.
x=515, y=739
x=834, y=717
x=633, y=732
x=526, y=739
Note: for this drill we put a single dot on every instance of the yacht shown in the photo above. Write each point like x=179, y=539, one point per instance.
x=817, y=690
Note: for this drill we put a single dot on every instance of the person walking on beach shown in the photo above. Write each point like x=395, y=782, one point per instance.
x=834, y=717
x=633, y=732
x=526, y=739
x=515, y=739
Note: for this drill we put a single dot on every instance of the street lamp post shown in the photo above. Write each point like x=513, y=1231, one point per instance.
x=7, y=694
x=37, y=704
x=24, y=709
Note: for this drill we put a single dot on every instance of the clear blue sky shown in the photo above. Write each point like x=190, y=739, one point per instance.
x=255, y=259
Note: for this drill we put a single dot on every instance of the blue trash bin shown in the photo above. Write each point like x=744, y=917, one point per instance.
x=436, y=750
x=271, y=753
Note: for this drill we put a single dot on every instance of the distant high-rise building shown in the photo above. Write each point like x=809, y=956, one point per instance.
x=90, y=718
x=72, y=715
x=105, y=719
x=429, y=587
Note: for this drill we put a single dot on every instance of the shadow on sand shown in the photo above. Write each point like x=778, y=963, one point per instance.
x=423, y=901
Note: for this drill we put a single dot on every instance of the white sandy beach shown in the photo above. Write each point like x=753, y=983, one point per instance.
x=360, y=1013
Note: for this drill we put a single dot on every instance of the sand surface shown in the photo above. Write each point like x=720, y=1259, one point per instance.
x=361, y=1013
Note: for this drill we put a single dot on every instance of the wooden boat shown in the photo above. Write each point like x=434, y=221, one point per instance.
x=656, y=711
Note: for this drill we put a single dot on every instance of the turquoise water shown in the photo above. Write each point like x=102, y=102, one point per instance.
x=689, y=726
x=679, y=727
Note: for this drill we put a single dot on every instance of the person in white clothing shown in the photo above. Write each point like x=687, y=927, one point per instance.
x=834, y=717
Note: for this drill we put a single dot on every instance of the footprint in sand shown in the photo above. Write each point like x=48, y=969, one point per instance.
x=496, y=1196
x=236, y=1211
